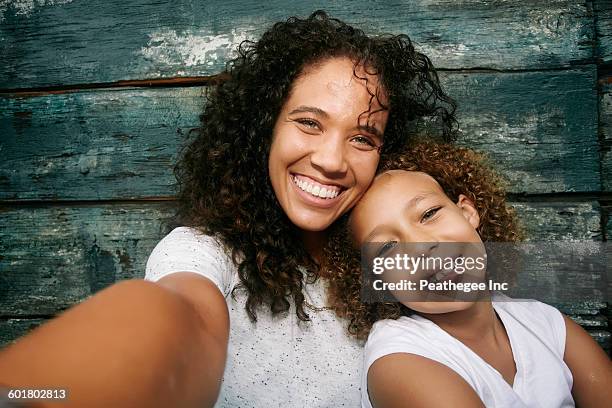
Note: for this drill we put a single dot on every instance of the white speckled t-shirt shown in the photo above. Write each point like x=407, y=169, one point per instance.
x=279, y=360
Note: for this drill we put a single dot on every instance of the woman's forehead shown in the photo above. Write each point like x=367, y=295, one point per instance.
x=338, y=73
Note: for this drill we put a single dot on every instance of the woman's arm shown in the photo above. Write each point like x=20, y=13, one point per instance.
x=408, y=380
x=135, y=343
x=590, y=367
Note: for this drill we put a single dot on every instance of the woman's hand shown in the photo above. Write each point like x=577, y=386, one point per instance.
x=134, y=344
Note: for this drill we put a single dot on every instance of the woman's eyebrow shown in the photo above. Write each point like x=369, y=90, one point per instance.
x=309, y=109
x=371, y=129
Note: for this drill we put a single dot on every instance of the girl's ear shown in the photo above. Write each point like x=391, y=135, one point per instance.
x=469, y=211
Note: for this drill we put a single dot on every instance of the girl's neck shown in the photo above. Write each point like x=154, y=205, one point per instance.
x=474, y=324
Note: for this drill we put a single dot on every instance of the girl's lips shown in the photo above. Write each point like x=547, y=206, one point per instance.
x=445, y=276
x=313, y=200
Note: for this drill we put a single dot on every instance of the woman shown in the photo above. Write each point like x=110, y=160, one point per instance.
x=290, y=140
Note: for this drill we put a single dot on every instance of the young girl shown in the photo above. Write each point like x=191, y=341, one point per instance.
x=496, y=352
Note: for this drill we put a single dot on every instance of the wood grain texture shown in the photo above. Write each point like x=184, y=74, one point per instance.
x=11, y=329
x=55, y=256
x=560, y=221
x=60, y=42
x=603, y=28
x=540, y=129
x=605, y=129
x=94, y=145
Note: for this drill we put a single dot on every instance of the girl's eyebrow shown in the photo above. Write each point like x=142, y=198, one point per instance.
x=410, y=204
x=417, y=199
x=309, y=109
x=372, y=233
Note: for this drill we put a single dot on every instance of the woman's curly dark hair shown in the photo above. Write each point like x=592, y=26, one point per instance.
x=224, y=187
x=458, y=170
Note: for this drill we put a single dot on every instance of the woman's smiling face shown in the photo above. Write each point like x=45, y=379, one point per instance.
x=326, y=140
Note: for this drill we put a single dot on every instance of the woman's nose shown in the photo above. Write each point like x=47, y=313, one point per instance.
x=329, y=156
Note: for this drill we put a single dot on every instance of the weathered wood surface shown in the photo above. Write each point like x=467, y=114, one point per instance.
x=55, y=256
x=560, y=221
x=540, y=128
x=89, y=41
x=603, y=27
x=94, y=145
x=11, y=329
x=605, y=129
x=607, y=211
x=52, y=257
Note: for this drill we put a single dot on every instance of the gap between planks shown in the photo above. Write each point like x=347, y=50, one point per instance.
x=603, y=197
x=211, y=79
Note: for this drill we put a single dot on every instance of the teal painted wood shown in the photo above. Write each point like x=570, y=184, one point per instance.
x=605, y=128
x=11, y=329
x=560, y=221
x=540, y=129
x=608, y=226
x=87, y=41
x=603, y=28
x=52, y=257
x=94, y=145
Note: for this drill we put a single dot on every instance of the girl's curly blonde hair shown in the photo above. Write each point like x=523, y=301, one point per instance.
x=458, y=170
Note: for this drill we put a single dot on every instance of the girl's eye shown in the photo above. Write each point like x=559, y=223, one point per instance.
x=308, y=123
x=429, y=213
x=364, y=143
x=386, y=247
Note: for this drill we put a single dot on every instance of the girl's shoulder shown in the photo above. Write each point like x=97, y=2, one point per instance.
x=186, y=249
x=407, y=334
x=533, y=318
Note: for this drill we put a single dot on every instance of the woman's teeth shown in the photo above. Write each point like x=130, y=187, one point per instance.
x=315, y=190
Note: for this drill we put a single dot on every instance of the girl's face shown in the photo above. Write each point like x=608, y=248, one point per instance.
x=411, y=208
x=325, y=143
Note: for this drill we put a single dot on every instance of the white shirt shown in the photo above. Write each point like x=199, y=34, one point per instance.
x=537, y=337
x=279, y=361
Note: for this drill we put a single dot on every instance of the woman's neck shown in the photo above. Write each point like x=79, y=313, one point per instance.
x=314, y=241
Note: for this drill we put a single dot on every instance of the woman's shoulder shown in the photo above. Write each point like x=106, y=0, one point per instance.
x=186, y=249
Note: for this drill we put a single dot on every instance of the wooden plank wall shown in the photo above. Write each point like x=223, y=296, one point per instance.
x=97, y=97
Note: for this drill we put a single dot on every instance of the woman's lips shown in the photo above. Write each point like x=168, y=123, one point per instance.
x=332, y=193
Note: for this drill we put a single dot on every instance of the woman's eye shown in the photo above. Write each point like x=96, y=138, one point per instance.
x=429, y=213
x=308, y=123
x=365, y=143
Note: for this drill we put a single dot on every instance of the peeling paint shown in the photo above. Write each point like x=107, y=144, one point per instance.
x=26, y=7
x=201, y=48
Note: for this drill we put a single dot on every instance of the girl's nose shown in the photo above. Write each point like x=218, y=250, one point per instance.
x=420, y=241
x=329, y=156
